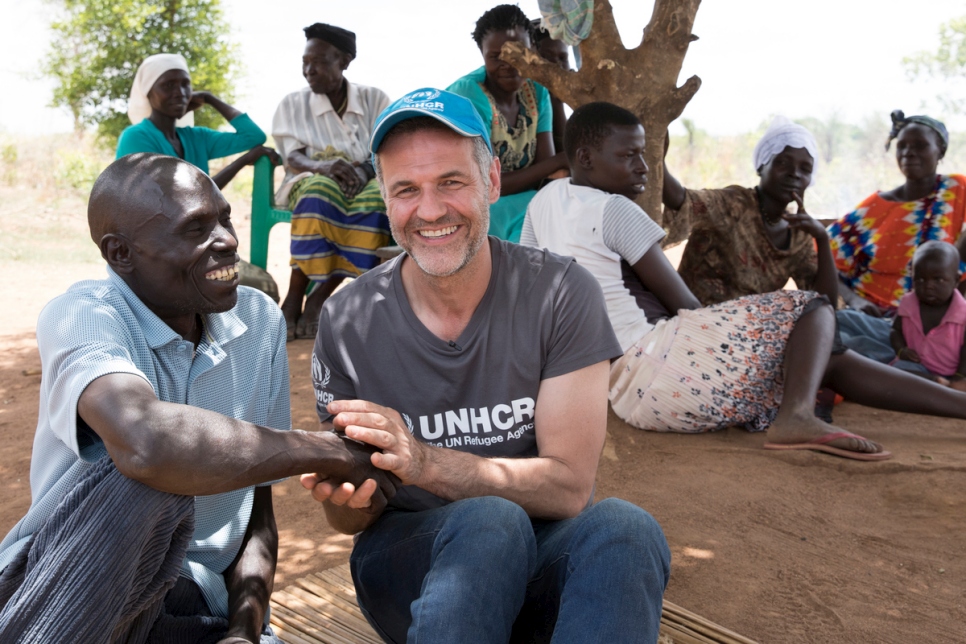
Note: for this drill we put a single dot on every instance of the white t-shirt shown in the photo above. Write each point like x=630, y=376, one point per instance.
x=598, y=229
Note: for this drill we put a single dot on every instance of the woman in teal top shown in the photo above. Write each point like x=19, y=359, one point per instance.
x=520, y=117
x=160, y=108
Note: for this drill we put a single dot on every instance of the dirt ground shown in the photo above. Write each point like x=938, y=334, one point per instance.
x=781, y=547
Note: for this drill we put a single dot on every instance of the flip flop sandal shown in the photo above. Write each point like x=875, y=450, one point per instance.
x=820, y=444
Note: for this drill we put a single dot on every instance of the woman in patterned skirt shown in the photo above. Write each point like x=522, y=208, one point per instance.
x=338, y=216
x=520, y=117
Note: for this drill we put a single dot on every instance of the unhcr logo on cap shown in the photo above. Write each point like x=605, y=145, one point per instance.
x=423, y=99
x=455, y=111
x=421, y=95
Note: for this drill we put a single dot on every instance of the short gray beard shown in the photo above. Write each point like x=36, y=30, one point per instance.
x=474, y=246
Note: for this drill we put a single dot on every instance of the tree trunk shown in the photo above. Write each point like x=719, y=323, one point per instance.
x=642, y=80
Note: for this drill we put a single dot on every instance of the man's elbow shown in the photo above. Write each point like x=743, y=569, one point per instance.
x=138, y=464
x=142, y=458
x=570, y=503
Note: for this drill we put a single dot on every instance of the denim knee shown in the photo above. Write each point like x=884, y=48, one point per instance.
x=494, y=524
x=616, y=520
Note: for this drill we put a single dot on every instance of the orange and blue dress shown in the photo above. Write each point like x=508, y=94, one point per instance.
x=873, y=245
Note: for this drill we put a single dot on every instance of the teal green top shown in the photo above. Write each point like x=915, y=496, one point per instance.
x=469, y=87
x=507, y=214
x=199, y=143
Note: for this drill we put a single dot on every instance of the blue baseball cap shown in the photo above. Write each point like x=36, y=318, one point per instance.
x=453, y=110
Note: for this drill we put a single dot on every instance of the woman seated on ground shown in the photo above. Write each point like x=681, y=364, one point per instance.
x=874, y=245
x=558, y=53
x=520, y=117
x=756, y=361
x=743, y=240
x=338, y=216
x=160, y=110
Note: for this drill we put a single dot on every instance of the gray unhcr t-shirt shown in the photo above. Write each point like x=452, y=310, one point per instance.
x=542, y=316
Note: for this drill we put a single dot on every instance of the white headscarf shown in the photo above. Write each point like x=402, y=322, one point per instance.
x=783, y=133
x=139, y=108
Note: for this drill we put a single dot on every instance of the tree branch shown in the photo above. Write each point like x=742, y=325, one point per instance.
x=642, y=80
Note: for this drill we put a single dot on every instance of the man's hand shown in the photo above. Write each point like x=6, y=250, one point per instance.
x=359, y=484
x=959, y=384
x=383, y=428
x=801, y=220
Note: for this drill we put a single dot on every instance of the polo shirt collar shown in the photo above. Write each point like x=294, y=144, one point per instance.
x=221, y=328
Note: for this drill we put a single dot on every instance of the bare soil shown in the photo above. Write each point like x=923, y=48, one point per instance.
x=781, y=547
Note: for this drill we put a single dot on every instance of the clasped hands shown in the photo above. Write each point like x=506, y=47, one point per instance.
x=387, y=453
x=351, y=177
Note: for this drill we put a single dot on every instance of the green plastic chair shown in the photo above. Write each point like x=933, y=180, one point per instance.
x=264, y=213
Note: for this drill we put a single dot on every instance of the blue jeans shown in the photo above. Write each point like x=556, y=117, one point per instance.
x=866, y=335
x=480, y=570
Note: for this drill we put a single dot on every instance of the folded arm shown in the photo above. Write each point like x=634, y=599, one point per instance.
x=570, y=425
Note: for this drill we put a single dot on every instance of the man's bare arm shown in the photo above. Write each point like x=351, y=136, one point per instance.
x=571, y=419
x=186, y=450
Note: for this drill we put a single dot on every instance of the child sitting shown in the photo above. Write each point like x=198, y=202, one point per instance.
x=928, y=332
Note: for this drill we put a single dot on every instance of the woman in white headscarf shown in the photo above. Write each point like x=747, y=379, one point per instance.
x=160, y=109
x=744, y=240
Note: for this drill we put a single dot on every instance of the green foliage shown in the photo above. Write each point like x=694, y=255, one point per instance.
x=97, y=46
x=8, y=155
x=948, y=62
x=76, y=170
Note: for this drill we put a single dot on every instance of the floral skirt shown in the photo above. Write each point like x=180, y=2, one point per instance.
x=710, y=368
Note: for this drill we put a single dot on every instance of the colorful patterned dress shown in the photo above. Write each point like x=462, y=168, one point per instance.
x=874, y=244
x=515, y=146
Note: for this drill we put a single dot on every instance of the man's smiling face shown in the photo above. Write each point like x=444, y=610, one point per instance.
x=184, y=256
x=437, y=198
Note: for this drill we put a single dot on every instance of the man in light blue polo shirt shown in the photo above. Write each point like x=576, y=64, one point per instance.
x=164, y=417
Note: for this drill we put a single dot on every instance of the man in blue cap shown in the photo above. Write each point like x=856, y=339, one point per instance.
x=480, y=369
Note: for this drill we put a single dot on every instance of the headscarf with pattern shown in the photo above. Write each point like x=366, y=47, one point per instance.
x=900, y=120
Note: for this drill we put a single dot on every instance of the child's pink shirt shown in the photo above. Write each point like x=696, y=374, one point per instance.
x=939, y=349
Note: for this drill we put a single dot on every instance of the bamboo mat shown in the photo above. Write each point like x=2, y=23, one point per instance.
x=321, y=609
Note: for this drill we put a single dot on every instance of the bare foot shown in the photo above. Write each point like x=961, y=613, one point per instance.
x=292, y=314
x=308, y=323
x=806, y=429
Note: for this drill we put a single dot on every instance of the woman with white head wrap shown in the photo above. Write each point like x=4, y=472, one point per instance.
x=745, y=240
x=162, y=120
